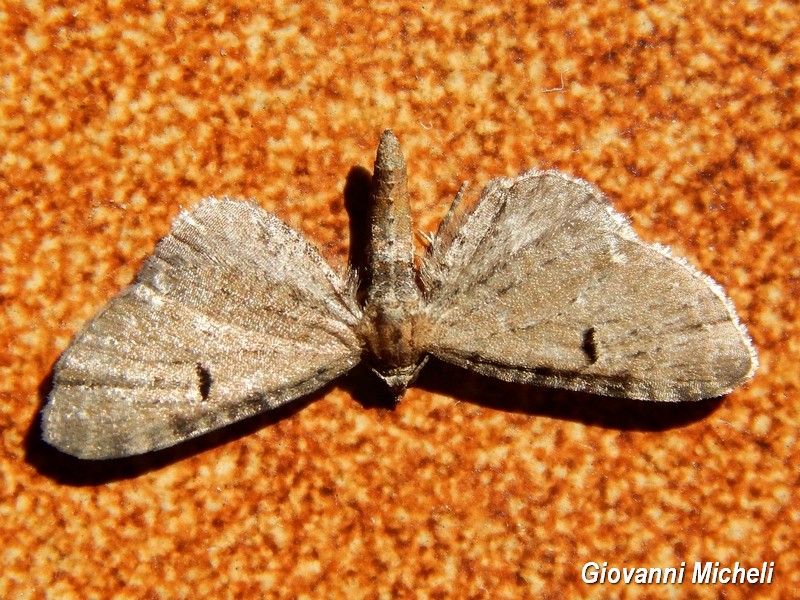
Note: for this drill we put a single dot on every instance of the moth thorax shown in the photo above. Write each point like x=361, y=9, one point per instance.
x=389, y=330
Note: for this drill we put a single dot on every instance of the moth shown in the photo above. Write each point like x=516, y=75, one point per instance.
x=540, y=281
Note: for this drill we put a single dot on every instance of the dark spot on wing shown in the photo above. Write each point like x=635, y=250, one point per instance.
x=204, y=380
x=544, y=372
x=120, y=442
x=589, y=345
x=252, y=404
x=182, y=427
x=505, y=289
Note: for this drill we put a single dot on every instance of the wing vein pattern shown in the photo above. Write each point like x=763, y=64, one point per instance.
x=542, y=282
x=233, y=314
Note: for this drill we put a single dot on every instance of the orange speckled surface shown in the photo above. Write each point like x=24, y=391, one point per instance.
x=113, y=117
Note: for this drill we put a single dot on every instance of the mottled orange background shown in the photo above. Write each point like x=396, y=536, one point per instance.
x=112, y=117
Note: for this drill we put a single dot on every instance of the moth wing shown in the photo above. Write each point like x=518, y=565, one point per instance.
x=542, y=282
x=233, y=314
